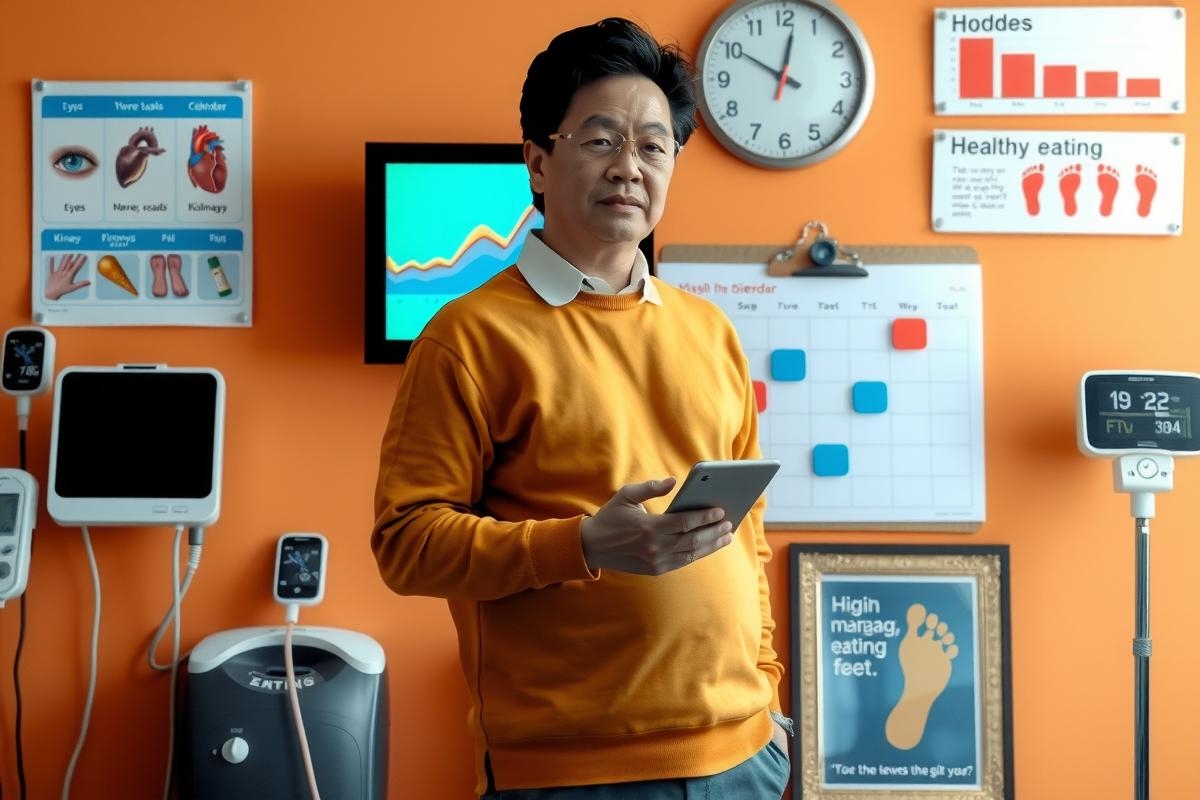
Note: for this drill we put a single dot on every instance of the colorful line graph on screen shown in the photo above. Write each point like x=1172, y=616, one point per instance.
x=450, y=227
x=482, y=254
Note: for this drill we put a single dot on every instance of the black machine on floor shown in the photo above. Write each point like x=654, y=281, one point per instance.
x=247, y=736
x=238, y=740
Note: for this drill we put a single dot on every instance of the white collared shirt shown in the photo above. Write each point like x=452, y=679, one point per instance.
x=558, y=282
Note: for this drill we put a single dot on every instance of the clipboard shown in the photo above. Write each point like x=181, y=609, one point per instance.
x=869, y=384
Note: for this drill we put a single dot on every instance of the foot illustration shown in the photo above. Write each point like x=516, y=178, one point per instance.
x=175, y=271
x=158, y=266
x=1109, y=180
x=925, y=660
x=1068, y=184
x=1146, y=183
x=1031, y=184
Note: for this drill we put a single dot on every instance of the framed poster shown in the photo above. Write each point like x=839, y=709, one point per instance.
x=900, y=672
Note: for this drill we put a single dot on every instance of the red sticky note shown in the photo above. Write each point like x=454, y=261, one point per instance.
x=909, y=333
x=760, y=396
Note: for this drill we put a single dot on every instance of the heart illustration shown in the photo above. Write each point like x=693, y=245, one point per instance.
x=133, y=157
x=206, y=165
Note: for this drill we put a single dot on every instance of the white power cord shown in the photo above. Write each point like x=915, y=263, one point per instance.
x=174, y=617
x=91, y=691
x=293, y=614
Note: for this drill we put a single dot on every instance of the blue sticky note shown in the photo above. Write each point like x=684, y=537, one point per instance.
x=831, y=460
x=870, y=397
x=788, y=365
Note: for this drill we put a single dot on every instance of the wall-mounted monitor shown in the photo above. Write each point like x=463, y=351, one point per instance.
x=441, y=219
x=136, y=445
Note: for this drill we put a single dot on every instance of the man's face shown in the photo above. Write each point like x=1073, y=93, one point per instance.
x=596, y=200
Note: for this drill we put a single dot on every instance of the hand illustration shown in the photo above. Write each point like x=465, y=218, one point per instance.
x=61, y=281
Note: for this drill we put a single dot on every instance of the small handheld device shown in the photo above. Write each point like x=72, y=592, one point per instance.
x=733, y=486
x=18, y=516
x=28, y=361
x=300, y=560
x=1125, y=412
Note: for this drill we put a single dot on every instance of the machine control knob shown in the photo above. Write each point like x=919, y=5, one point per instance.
x=235, y=750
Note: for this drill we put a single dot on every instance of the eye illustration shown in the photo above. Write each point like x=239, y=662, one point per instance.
x=74, y=161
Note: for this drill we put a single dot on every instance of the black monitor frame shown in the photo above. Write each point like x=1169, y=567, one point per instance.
x=377, y=348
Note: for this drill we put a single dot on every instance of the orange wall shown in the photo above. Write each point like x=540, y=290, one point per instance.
x=305, y=415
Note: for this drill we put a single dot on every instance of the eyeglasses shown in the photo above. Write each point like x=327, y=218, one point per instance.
x=654, y=150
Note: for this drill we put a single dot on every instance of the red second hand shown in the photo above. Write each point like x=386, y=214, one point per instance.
x=782, y=81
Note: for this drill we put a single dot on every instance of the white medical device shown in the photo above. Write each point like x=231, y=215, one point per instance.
x=28, y=361
x=1141, y=420
x=300, y=560
x=1125, y=412
x=136, y=445
x=18, y=517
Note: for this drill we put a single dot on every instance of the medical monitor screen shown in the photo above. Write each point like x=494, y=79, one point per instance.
x=8, y=513
x=130, y=434
x=441, y=219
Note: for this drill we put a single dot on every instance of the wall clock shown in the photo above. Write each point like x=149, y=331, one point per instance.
x=785, y=83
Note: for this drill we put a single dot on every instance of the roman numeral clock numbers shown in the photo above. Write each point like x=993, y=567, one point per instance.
x=784, y=83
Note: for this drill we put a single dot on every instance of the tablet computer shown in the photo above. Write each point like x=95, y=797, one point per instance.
x=733, y=486
x=136, y=445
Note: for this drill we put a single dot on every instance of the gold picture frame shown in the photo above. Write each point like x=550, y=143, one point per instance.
x=901, y=686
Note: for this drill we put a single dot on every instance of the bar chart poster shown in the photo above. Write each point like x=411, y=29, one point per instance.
x=1079, y=60
x=1073, y=182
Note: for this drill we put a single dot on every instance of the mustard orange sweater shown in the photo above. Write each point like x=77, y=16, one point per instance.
x=515, y=419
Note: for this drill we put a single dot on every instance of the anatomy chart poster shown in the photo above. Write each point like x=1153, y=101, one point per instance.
x=142, y=203
x=1003, y=181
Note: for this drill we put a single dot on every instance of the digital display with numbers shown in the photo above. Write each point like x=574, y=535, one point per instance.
x=9, y=504
x=1140, y=411
x=24, y=360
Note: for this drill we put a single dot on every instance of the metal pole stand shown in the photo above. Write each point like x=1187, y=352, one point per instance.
x=1141, y=652
x=1142, y=476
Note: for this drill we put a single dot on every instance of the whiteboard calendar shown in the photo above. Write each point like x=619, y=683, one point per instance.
x=869, y=390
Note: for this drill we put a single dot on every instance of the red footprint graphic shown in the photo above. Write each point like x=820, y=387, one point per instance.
x=1146, y=183
x=1031, y=184
x=1068, y=184
x=1109, y=180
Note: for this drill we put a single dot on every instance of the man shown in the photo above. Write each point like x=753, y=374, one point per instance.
x=610, y=650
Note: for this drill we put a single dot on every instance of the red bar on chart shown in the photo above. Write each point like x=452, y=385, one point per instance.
x=976, y=78
x=1059, y=81
x=1016, y=75
x=1100, y=84
x=1142, y=87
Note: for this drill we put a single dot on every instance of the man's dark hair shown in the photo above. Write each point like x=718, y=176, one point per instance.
x=611, y=47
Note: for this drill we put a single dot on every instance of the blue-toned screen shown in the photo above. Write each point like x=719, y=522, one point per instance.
x=449, y=228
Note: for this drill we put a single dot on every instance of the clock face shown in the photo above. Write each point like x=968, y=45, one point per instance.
x=785, y=83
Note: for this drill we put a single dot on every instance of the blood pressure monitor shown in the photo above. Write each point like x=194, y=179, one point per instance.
x=18, y=515
x=1125, y=413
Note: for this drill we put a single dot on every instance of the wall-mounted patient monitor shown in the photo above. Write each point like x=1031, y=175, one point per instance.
x=136, y=445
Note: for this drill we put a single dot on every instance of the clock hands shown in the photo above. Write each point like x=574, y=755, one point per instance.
x=787, y=62
x=795, y=84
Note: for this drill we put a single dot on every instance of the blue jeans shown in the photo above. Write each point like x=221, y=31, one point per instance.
x=763, y=776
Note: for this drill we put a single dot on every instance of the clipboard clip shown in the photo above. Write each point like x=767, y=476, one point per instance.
x=823, y=258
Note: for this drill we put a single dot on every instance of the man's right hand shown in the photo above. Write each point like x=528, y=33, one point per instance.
x=624, y=537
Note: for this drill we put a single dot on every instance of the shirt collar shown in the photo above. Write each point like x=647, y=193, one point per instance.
x=558, y=282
